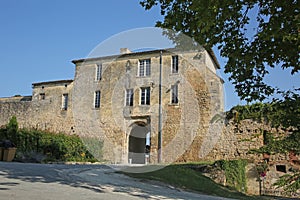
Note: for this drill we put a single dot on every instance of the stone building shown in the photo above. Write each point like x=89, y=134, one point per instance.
x=49, y=107
x=148, y=107
x=119, y=99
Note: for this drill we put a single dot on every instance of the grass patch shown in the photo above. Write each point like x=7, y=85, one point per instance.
x=188, y=179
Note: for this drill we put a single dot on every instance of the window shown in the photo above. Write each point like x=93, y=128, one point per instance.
x=129, y=97
x=174, y=94
x=42, y=96
x=65, y=101
x=145, y=67
x=281, y=168
x=128, y=66
x=98, y=72
x=145, y=96
x=174, y=64
x=97, y=99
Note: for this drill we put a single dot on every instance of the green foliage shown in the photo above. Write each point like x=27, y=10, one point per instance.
x=267, y=137
x=55, y=147
x=280, y=113
x=257, y=111
x=3, y=133
x=183, y=176
x=292, y=142
x=250, y=51
x=235, y=173
x=12, y=129
x=261, y=168
x=288, y=110
x=94, y=146
x=63, y=147
x=290, y=183
x=285, y=145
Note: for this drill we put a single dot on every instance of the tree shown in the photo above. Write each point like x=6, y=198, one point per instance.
x=274, y=41
x=254, y=36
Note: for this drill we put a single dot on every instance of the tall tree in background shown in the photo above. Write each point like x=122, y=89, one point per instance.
x=254, y=36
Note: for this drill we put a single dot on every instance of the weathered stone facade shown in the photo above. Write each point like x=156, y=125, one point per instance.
x=116, y=99
x=43, y=110
x=184, y=123
x=190, y=81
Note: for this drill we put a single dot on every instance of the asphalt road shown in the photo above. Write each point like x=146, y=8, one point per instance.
x=19, y=181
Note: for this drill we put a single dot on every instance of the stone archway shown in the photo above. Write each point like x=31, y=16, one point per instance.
x=137, y=144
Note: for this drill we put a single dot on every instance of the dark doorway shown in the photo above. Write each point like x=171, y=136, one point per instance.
x=137, y=144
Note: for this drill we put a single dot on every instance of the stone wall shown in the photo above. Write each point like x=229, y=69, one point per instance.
x=15, y=107
x=238, y=139
x=37, y=113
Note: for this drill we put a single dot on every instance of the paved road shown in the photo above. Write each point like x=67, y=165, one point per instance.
x=20, y=181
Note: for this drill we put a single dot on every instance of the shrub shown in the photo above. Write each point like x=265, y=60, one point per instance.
x=12, y=129
x=54, y=147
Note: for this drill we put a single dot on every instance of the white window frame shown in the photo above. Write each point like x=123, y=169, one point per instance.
x=98, y=76
x=97, y=97
x=174, y=94
x=65, y=99
x=144, y=67
x=175, y=68
x=145, y=96
x=129, y=96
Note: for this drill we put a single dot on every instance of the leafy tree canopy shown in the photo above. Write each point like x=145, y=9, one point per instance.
x=254, y=35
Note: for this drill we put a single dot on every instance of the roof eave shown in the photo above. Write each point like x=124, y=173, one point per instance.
x=52, y=82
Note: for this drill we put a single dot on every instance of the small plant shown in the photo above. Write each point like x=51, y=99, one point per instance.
x=262, y=169
x=12, y=129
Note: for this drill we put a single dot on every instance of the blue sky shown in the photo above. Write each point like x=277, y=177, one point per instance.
x=39, y=39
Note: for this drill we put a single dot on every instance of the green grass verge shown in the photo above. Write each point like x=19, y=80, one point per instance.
x=188, y=179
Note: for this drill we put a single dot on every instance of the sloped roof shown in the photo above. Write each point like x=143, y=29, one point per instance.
x=211, y=53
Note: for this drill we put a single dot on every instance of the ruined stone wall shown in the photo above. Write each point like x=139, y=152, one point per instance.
x=235, y=142
x=237, y=139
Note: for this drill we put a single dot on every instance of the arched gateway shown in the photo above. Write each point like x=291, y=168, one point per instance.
x=138, y=144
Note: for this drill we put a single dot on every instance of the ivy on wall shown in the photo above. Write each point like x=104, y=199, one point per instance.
x=280, y=113
x=283, y=113
x=235, y=173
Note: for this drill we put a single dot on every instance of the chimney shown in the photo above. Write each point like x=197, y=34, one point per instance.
x=124, y=51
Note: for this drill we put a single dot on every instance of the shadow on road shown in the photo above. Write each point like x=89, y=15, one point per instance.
x=96, y=178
